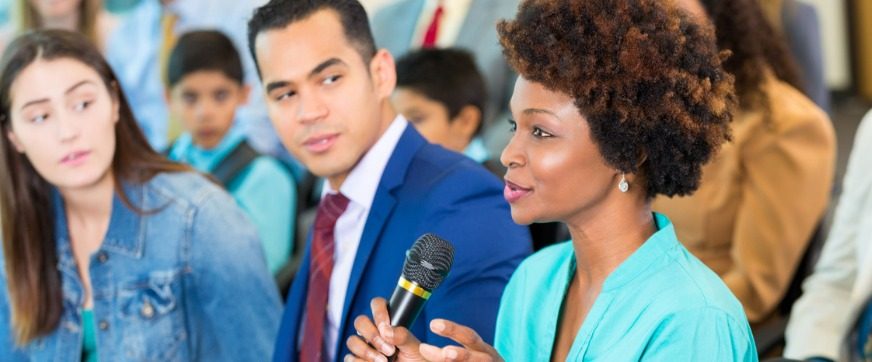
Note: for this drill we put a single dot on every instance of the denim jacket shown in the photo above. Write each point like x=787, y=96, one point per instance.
x=184, y=281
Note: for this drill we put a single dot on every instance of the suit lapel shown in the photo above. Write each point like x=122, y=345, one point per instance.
x=382, y=206
x=293, y=314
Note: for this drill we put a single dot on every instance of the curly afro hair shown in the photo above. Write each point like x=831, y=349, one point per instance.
x=647, y=79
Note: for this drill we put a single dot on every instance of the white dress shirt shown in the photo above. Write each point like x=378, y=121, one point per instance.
x=453, y=15
x=359, y=187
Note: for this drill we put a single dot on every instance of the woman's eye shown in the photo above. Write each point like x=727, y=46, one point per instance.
x=539, y=133
x=513, y=126
x=81, y=106
x=39, y=118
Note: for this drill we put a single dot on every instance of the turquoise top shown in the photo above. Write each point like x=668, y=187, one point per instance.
x=266, y=191
x=89, y=336
x=661, y=304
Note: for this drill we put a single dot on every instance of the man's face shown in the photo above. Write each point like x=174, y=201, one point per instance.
x=328, y=104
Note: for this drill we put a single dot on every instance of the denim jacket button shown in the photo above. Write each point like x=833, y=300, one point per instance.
x=103, y=325
x=147, y=310
x=102, y=257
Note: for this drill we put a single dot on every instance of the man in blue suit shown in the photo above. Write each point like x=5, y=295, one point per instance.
x=327, y=91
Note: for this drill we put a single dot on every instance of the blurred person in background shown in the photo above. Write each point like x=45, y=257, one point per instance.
x=84, y=16
x=762, y=197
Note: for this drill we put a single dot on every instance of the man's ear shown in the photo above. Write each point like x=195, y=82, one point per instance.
x=383, y=71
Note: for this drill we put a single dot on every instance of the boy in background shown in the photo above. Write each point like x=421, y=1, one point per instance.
x=205, y=86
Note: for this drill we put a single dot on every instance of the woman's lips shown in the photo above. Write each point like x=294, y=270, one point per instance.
x=320, y=144
x=512, y=192
x=75, y=158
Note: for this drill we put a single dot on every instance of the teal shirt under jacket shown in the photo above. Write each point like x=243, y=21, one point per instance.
x=265, y=190
x=661, y=304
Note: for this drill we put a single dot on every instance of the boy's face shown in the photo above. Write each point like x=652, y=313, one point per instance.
x=431, y=119
x=205, y=102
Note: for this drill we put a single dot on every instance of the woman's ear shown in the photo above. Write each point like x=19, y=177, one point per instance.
x=15, y=141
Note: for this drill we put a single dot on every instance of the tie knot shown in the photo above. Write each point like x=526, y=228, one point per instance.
x=331, y=207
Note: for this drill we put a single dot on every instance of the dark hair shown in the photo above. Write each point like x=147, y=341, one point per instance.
x=278, y=14
x=204, y=50
x=646, y=78
x=26, y=212
x=448, y=76
x=756, y=48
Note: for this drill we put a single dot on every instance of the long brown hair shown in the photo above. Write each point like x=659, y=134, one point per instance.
x=26, y=18
x=757, y=47
x=26, y=213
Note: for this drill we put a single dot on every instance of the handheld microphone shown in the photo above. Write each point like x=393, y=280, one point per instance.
x=427, y=264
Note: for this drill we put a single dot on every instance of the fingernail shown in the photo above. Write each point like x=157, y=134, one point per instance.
x=383, y=346
x=451, y=353
x=428, y=349
x=386, y=330
x=381, y=358
x=437, y=325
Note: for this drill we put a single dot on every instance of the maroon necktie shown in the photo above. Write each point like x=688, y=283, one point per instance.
x=320, y=269
x=433, y=29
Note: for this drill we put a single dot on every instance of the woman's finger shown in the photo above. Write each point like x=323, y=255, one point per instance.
x=464, y=335
x=370, y=334
x=362, y=351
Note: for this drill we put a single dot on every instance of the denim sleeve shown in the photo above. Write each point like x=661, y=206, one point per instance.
x=469, y=211
x=8, y=351
x=235, y=310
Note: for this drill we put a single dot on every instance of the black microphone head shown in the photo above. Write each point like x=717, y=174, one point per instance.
x=428, y=261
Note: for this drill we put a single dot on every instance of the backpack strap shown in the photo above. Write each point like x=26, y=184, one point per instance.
x=233, y=164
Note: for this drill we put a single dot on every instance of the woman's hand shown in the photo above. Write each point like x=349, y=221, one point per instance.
x=376, y=339
x=474, y=348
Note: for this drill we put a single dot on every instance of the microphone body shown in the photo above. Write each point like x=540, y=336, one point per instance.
x=427, y=264
x=407, y=302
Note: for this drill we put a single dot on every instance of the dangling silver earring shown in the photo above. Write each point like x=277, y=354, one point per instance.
x=623, y=185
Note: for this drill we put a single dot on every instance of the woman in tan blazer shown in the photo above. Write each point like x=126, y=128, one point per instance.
x=762, y=196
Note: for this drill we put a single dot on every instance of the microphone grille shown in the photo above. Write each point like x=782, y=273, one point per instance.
x=428, y=261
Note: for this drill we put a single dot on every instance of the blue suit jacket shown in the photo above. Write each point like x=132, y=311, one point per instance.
x=425, y=188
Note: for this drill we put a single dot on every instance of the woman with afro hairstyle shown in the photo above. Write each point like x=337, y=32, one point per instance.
x=763, y=195
x=618, y=101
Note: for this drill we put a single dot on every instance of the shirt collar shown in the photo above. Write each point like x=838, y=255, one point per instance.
x=362, y=182
x=476, y=150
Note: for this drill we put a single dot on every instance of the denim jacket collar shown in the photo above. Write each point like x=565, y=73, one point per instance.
x=123, y=222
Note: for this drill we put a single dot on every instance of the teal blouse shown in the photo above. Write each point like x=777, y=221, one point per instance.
x=266, y=191
x=89, y=336
x=661, y=304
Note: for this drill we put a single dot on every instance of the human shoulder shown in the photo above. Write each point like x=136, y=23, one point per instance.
x=188, y=188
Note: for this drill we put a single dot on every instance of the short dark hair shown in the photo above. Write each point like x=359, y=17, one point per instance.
x=204, y=50
x=280, y=13
x=648, y=80
x=448, y=76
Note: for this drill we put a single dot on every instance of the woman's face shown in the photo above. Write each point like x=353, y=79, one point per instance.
x=63, y=120
x=55, y=8
x=555, y=171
